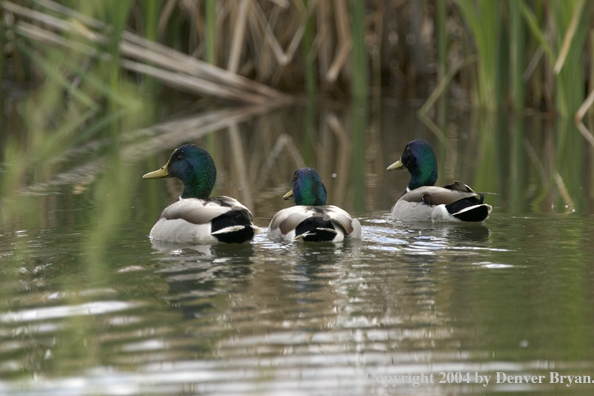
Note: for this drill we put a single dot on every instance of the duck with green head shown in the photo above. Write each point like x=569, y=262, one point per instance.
x=311, y=220
x=423, y=201
x=194, y=218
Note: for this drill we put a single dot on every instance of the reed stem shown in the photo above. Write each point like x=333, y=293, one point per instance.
x=517, y=49
x=442, y=55
x=359, y=84
x=308, y=56
x=211, y=30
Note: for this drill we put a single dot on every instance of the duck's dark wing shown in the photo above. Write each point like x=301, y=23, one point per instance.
x=459, y=186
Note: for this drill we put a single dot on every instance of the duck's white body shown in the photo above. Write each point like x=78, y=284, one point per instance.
x=418, y=211
x=285, y=225
x=201, y=221
x=438, y=204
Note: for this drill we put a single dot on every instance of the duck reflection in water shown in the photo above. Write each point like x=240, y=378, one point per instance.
x=196, y=274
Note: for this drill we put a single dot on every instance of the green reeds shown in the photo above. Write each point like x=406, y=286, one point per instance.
x=441, y=38
x=572, y=19
x=76, y=101
x=308, y=57
x=2, y=57
x=557, y=29
x=305, y=46
x=150, y=17
x=517, y=48
x=484, y=22
x=359, y=59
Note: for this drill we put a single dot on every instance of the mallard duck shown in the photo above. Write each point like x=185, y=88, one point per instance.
x=423, y=201
x=194, y=217
x=311, y=220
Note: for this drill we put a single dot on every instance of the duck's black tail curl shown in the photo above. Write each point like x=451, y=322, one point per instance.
x=315, y=229
x=233, y=227
x=470, y=209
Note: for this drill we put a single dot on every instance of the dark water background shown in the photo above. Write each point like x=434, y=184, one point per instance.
x=89, y=306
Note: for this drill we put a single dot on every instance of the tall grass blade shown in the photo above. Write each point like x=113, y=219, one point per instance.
x=518, y=49
x=442, y=53
x=238, y=36
x=52, y=72
x=569, y=81
x=359, y=53
x=309, y=57
x=536, y=30
x=482, y=17
x=569, y=36
x=210, y=16
x=443, y=83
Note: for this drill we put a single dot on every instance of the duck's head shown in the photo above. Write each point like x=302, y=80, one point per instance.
x=193, y=166
x=308, y=188
x=419, y=158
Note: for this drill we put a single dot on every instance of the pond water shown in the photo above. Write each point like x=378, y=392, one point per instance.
x=90, y=306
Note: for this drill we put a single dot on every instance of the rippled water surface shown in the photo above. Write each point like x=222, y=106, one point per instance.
x=91, y=307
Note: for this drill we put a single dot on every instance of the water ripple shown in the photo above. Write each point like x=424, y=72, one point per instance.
x=86, y=309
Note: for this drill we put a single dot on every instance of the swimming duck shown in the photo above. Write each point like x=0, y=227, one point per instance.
x=423, y=201
x=311, y=220
x=194, y=217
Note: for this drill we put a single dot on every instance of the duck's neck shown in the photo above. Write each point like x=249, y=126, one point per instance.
x=199, y=185
x=310, y=194
x=424, y=175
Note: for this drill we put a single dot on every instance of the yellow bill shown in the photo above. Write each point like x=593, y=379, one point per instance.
x=396, y=165
x=288, y=195
x=162, y=172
